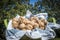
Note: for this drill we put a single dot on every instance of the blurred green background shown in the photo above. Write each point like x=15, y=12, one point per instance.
x=9, y=9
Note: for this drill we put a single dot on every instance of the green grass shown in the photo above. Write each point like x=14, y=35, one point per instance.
x=56, y=39
x=26, y=38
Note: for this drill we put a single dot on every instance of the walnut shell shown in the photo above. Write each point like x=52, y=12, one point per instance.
x=15, y=22
x=22, y=26
x=41, y=24
x=29, y=27
x=36, y=25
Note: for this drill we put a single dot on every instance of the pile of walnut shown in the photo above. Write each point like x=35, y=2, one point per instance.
x=28, y=24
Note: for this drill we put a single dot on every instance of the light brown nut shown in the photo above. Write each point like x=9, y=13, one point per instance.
x=15, y=23
x=36, y=25
x=22, y=26
x=29, y=27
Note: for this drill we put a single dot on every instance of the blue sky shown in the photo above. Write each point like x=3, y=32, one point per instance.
x=33, y=1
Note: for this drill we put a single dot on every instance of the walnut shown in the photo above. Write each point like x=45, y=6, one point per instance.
x=36, y=25
x=15, y=23
x=29, y=27
x=42, y=24
x=22, y=26
x=34, y=19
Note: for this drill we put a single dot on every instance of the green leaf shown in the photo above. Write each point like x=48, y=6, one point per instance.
x=5, y=23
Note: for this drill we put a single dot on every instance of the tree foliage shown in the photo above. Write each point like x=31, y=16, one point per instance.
x=52, y=7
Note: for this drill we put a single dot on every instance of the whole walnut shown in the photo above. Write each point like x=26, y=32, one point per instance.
x=32, y=23
x=21, y=19
x=24, y=20
x=34, y=19
x=22, y=26
x=36, y=25
x=42, y=23
x=15, y=23
x=45, y=21
x=27, y=21
x=29, y=27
